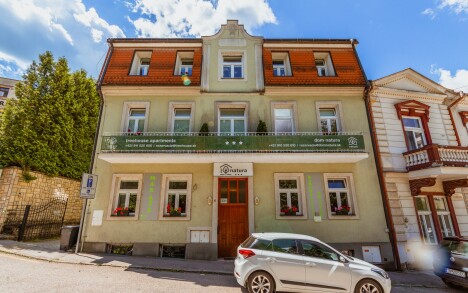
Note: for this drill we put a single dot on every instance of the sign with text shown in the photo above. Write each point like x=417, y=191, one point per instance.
x=233, y=169
x=88, y=186
x=214, y=143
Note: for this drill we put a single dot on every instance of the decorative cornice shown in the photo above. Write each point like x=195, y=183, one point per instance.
x=417, y=184
x=127, y=90
x=405, y=95
x=451, y=185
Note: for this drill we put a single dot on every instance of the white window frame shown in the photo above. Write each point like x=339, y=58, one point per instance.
x=284, y=105
x=299, y=177
x=136, y=64
x=166, y=178
x=127, y=106
x=281, y=56
x=180, y=105
x=227, y=53
x=413, y=130
x=422, y=221
x=180, y=57
x=114, y=194
x=232, y=105
x=328, y=64
x=440, y=217
x=328, y=105
x=352, y=197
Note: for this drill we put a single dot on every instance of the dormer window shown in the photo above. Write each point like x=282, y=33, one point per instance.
x=184, y=63
x=281, y=66
x=232, y=67
x=324, y=64
x=141, y=63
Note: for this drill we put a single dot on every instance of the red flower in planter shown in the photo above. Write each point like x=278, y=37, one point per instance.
x=168, y=208
x=179, y=210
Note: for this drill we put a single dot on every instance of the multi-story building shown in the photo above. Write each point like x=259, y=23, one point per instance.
x=185, y=163
x=422, y=139
x=7, y=91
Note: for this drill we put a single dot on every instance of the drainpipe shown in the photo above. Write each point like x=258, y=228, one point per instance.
x=449, y=108
x=96, y=136
x=378, y=162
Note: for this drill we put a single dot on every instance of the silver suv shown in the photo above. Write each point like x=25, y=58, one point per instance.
x=267, y=262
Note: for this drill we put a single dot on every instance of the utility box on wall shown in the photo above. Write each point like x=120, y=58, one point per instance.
x=199, y=236
x=371, y=254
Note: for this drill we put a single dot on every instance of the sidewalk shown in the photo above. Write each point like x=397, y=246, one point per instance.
x=49, y=251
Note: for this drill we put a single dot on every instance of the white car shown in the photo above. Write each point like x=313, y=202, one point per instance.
x=270, y=262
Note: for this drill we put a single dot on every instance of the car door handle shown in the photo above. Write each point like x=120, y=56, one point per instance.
x=271, y=259
x=310, y=264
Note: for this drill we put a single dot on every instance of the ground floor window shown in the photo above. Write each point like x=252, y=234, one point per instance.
x=176, y=191
x=290, y=197
x=339, y=190
x=125, y=195
x=435, y=218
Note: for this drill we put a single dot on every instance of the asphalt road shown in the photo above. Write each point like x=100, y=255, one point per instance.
x=18, y=274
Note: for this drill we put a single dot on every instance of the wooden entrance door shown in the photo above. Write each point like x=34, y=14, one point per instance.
x=233, y=215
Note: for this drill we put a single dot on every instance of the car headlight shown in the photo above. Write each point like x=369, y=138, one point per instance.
x=382, y=273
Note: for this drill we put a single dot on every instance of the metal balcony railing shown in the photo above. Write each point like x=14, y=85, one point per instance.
x=299, y=142
x=435, y=155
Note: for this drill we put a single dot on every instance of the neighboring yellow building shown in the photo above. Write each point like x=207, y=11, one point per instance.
x=167, y=187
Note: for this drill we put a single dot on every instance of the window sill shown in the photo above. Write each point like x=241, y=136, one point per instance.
x=174, y=218
x=343, y=217
x=291, y=217
x=232, y=78
x=122, y=218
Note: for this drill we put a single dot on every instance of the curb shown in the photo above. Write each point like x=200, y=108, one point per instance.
x=173, y=270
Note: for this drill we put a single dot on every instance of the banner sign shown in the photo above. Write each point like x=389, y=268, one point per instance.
x=238, y=143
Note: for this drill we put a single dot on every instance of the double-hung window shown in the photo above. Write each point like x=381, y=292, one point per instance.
x=182, y=119
x=284, y=121
x=340, y=195
x=125, y=195
x=232, y=121
x=443, y=216
x=136, y=120
x=232, y=67
x=289, y=193
x=176, y=195
x=328, y=120
x=414, y=132
x=425, y=220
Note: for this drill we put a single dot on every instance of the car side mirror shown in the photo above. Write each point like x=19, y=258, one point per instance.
x=343, y=259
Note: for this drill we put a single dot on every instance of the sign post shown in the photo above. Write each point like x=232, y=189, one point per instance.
x=88, y=191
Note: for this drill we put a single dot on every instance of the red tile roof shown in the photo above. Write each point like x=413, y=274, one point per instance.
x=304, y=73
x=161, y=69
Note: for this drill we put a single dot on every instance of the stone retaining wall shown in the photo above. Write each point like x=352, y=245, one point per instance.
x=14, y=191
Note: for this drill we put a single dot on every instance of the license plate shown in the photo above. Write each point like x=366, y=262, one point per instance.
x=455, y=273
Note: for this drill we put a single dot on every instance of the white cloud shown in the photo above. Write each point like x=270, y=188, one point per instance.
x=91, y=19
x=186, y=18
x=429, y=12
x=458, y=82
x=17, y=61
x=458, y=6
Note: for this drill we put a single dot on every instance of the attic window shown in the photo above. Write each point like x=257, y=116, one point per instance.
x=141, y=63
x=184, y=63
x=233, y=66
x=324, y=64
x=281, y=66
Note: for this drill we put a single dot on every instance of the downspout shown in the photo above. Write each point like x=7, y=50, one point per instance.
x=378, y=162
x=79, y=244
x=449, y=108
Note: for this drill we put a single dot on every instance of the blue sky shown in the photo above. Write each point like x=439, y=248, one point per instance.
x=429, y=36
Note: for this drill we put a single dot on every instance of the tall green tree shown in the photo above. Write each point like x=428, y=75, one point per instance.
x=50, y=127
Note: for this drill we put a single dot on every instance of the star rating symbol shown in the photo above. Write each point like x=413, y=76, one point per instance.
x=240, y=142
x=227, y=142
x=234, y=143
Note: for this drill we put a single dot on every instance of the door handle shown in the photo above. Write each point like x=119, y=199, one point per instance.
x=310, y=264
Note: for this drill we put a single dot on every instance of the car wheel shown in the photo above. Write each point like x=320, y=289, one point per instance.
x=260, y=282
x=368, y=286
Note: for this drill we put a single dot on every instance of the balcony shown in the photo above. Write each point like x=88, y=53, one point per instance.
x=436, y=156
x=252, y=147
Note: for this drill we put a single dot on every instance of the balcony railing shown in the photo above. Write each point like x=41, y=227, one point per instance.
x=303, y=142
x=435, y=155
